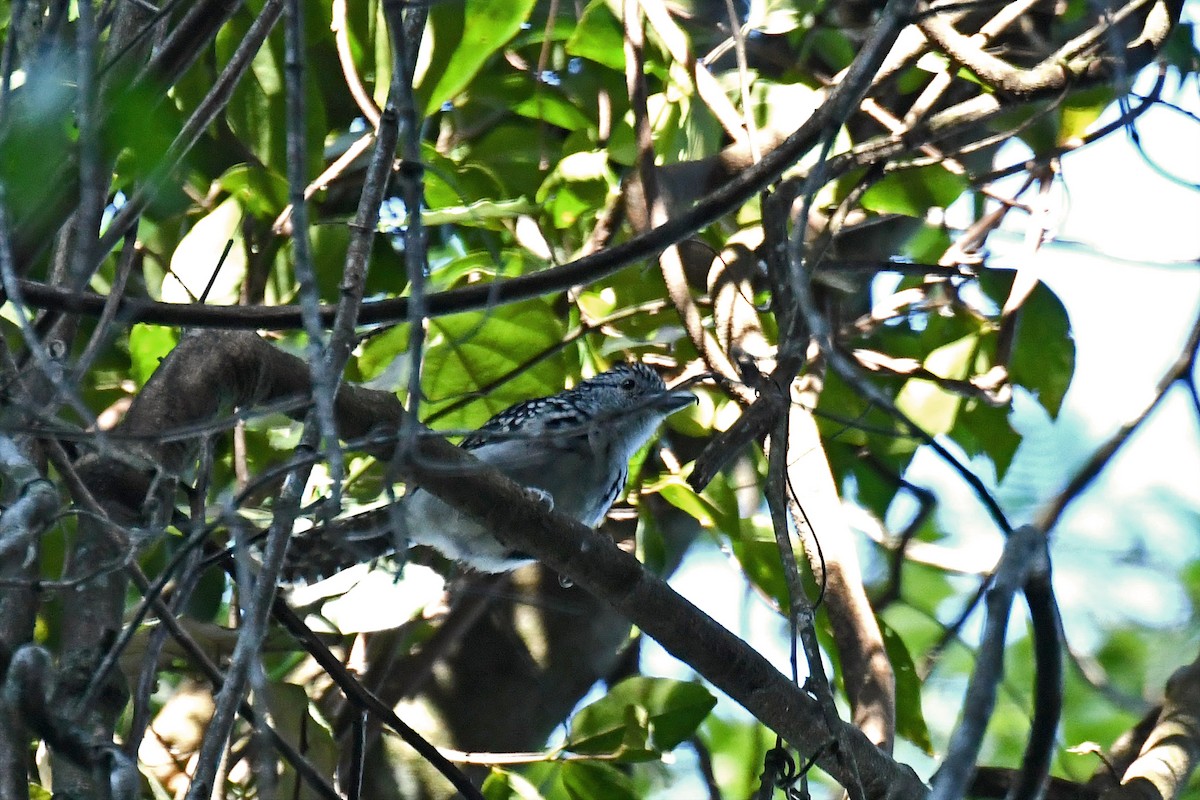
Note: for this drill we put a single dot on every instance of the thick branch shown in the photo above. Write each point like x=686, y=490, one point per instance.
x=594, y=563
x=1171, y=751
x=242, y=368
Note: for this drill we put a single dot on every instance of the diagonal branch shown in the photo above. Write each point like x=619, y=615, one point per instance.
x=1181, y=370
x=1172, y=749
x=1071, y=63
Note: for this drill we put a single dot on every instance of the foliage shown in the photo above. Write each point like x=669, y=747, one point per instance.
x=532, y=151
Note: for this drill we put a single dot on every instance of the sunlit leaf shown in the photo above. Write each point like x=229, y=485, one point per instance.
x=594, y=781
x=201, y=259
x=1043, y=351
x=148, y=345
x=505, y=785
x=913, y=192
x=932, y=407
x=599, y=37
x=642, y=716
x=467, y=353
x=461, y=36
x=257, y=190
x=737, y=748
x=1080, y=110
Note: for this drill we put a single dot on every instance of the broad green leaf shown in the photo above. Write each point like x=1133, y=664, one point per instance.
x=775, y=17
x=928, y=404
x=1080, y=110
x=683, y=497
x=451, y=183
x=576, y=187
x=914, y=191
x=833, y=45
x=259, y=191
x=1043, y=352
x=593, y=781
x=715, y=508
x=786, y=106
x=737, y=747
x=928, y=244
x=758, y=553
x=599, y=37
x=504, y=785
x=36, y=140
x=1180, y=49
x=148, y=345
x=910, y=720
x=984, y=429
x=467, y=353
x=199, y=255
x=460, y=37
x=381, y=351
x=477, y=263
x=141, y=138
x=666, y=711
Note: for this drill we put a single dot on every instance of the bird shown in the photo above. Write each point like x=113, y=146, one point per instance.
x=570, y=449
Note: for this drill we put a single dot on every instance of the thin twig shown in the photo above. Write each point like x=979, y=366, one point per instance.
x=1181, y=371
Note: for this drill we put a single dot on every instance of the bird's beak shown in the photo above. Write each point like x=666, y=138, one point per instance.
x=670, y=402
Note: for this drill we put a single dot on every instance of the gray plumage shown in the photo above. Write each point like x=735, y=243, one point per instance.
x=572, y=447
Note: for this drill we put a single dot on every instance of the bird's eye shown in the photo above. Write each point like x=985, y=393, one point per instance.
x=629, y=384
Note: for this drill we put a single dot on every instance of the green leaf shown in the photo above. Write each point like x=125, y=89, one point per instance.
x=467, y=353
x=715, y=508
x=834, y=46
x=197, y=260
x=738, y=747
x=1080, y=110
x=1180, y=49
x=479, y=212
x=640, y=716
x=1043, y=351
x=914, y=191
x=758, y=554
x=380, y=352
x=599, y=37
x=289, y=707
x=257, y=114
x=775, y=17
x=585, y=780
x=504, y=785
x=910, y=720
x=260, y=191
x=459, y=39
x=928, y=244
x=985, y=429
x=148, y=345
x=927, y=403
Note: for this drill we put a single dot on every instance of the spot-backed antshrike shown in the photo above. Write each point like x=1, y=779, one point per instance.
x=572, y=447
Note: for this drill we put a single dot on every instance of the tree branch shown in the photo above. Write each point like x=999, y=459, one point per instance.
x=1172, y=749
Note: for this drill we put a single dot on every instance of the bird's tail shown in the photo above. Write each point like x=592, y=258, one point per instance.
x=327, y=549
